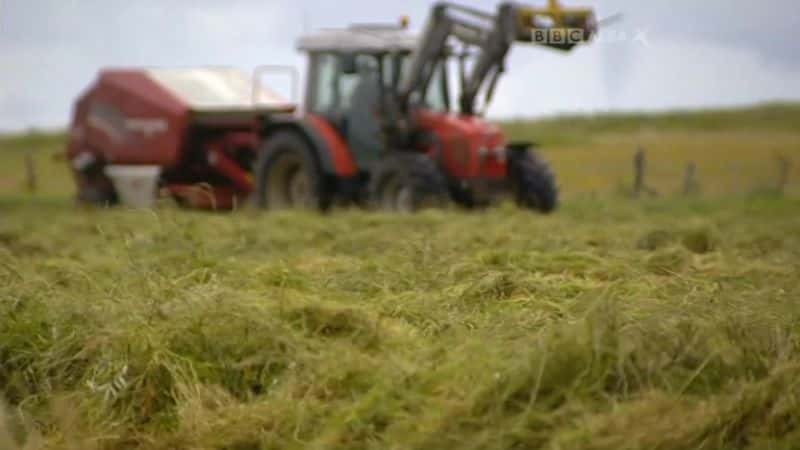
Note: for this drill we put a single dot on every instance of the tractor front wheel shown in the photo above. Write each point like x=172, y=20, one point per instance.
x=533, y=182
x=287, y=175
x=407, y=182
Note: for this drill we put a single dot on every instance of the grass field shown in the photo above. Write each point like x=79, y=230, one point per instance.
x=735, y=151
x=665, y=323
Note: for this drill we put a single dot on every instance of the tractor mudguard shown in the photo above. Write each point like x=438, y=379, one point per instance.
x=330, y=150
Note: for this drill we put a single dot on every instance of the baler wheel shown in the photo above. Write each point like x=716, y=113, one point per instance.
x=533, y=181
x=287, y=175
x=407, y=182
x=94, y=187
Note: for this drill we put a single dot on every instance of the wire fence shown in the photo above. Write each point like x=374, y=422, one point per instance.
x=643, y=177
x=639, y=177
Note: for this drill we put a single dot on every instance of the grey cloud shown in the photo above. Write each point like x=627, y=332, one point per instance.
x=768, y=28
x=51, y=49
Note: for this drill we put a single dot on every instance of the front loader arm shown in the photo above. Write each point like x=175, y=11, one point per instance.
x=492, y=35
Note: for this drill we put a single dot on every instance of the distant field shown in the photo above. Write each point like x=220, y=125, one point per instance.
x=53, y=178
x=735, y=151
x=658, y=323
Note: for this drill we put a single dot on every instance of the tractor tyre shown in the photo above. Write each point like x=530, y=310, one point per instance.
x=288, y=175
x=533, y=181
x=407, y=182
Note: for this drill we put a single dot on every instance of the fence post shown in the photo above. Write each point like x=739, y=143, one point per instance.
x=784, y=167
x=30, y=172
x=690, y=185
x=639, y=164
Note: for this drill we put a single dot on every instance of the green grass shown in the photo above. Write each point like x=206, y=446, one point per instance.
x=45, y=150
x=610, y=325
x=582, y=129
x=666, y=323
x=734, y=151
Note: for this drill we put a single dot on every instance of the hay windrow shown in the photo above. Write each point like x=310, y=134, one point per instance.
x=611, y=326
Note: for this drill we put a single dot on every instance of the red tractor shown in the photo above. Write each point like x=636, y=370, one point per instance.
x=380, y=126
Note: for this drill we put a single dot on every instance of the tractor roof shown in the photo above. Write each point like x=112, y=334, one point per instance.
x=360, y=38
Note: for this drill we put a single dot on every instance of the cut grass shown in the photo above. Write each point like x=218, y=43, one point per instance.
x=442, y=330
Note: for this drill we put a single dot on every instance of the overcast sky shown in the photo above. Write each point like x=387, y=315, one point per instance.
x=664, y=53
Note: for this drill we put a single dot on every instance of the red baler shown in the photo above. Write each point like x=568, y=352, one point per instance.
x=199, y=125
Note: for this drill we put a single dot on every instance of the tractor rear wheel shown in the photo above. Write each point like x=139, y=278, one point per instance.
x=407, y=182
x=533, y=181
x=288, y=176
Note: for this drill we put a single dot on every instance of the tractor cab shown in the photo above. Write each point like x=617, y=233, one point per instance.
x=353, y=79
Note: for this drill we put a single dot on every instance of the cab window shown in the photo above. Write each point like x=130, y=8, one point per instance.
x=331, y=88
x=323, y=92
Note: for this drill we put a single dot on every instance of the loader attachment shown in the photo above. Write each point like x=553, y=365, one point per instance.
x=487, y=38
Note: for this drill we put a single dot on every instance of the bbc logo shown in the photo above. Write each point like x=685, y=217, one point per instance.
x=559, y=36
